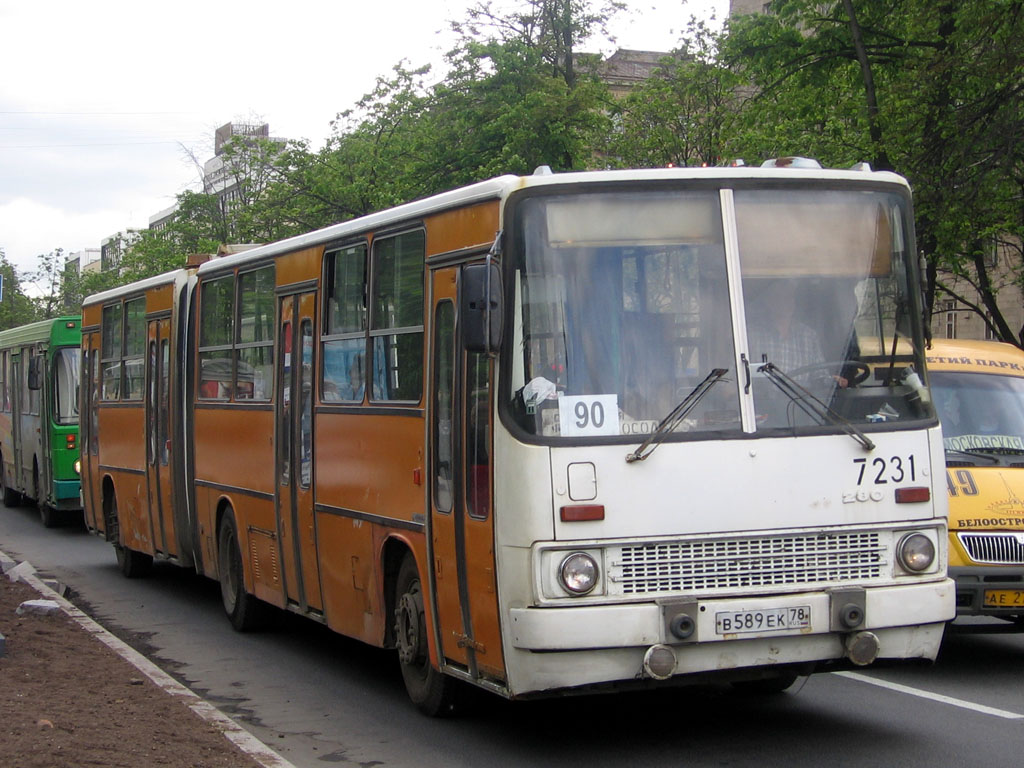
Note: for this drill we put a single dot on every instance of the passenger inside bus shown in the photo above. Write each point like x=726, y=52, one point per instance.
x=777, y=333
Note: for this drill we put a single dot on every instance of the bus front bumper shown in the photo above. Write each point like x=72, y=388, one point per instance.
x=590, y=645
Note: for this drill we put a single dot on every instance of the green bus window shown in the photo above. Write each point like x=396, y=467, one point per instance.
x=66, y=368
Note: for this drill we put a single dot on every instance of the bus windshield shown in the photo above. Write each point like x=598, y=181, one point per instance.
x=625, y=302
x=981, y=413
x=65, y=385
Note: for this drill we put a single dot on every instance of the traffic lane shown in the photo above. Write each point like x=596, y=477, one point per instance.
x=309, y=693
x=980, y=662
x=318, y=697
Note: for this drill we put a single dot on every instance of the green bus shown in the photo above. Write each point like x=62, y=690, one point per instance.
x=39, y=373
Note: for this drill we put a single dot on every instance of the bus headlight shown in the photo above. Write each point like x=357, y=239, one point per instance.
x=578, y=573
x=915, y=552
x=78, y=466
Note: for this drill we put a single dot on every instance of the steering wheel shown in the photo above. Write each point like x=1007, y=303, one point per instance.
x=860, y=370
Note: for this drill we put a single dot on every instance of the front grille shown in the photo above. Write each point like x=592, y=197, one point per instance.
x=770, y=561
x=997, y=548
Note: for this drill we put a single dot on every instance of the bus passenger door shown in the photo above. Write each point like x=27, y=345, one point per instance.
x=89, y=444
x=294, y=418
x=461, y=520
x=158, y=447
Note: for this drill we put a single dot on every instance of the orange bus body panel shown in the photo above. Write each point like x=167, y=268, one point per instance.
x=298, y=267
x=462, y=228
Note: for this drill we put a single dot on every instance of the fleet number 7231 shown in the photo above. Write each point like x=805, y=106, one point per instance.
x=881, y=471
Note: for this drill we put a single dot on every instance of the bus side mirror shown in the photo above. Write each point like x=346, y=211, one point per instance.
x=480, y=308
x=35, y=372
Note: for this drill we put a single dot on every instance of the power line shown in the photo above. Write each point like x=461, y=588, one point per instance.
x=110, y=144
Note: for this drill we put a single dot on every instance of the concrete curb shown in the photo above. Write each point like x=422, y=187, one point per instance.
x=232, y=731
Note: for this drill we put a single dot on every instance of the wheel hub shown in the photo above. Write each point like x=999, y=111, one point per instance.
x=407, y=627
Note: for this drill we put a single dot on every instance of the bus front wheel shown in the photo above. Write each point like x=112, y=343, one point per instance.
x=430, y=690
x=245, y=611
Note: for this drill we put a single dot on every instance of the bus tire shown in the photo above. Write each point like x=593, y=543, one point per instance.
x=245, y=611
x=433, y=692
x=767, y=685
x=48, y=515
x=133, y=564
x=11, y=497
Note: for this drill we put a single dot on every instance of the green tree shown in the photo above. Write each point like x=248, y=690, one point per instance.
x=16, y=308
x=931, y=90
x=683, y=114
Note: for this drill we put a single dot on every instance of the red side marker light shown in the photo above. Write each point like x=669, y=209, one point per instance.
x=912, y=495
x=574, y=513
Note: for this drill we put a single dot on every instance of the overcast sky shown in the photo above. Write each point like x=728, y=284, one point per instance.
x=104, y=104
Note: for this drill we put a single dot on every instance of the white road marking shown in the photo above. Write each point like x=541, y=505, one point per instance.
x=981, y=708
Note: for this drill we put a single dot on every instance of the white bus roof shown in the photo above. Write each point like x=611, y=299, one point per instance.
x=501, y=186
x=176, y=276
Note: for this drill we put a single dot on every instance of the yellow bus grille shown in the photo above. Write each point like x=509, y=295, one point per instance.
x=774, y=561
x=996, y=548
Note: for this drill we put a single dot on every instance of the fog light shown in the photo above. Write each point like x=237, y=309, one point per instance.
x=578, y=573
x=862, y=648
x=916, y=552
x=659, y=662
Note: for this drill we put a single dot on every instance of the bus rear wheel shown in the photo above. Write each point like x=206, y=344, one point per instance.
x=11, y=497
x=48, y=515
x=245, y=611
x=433, y=692
x=133, y=564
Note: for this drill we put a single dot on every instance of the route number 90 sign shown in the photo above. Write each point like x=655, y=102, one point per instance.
x=588, y=415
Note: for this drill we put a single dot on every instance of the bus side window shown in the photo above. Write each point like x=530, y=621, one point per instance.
x=478, y=435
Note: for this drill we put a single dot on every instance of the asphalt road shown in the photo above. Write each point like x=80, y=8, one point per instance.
x=318, y=698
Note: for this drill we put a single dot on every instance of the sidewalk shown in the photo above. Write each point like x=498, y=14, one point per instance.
x=72, y=694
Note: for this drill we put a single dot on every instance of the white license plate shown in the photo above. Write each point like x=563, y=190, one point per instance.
x=763, y=620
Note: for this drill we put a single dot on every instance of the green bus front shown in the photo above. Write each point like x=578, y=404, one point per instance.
x=63, y=365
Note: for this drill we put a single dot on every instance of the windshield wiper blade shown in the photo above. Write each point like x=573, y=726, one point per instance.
x=970, y=454
x=676, y=415
x=811, y=405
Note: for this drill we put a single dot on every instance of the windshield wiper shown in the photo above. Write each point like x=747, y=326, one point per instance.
x=811, y=405
x=972, y=454
x=676, y=415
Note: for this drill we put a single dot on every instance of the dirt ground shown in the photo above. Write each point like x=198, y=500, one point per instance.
x=69, y=701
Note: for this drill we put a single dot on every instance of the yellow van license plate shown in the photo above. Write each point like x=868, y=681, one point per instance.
x=1004, y=597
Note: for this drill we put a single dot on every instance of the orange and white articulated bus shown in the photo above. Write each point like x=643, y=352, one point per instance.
x=978, y=387
x=577, y=431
